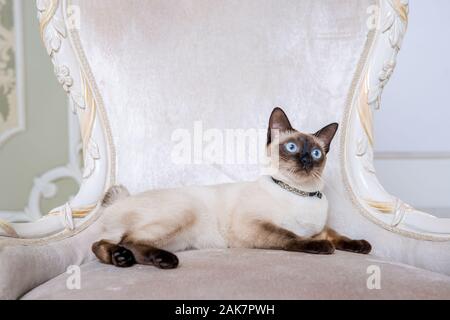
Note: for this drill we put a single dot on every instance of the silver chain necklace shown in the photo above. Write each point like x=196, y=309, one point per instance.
x=296, y=191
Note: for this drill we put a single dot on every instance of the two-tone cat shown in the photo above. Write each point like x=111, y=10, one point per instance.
x=284, y=211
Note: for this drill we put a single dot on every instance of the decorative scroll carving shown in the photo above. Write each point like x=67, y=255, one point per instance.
x=366, y=192
x=54, y=32
x=65, y=79
x=53, y=29
x=394, y=23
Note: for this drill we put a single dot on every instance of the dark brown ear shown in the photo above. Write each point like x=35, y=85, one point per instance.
x=327, y=134
x=278, y=121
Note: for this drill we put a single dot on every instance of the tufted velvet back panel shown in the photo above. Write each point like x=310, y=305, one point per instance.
x=162, y=65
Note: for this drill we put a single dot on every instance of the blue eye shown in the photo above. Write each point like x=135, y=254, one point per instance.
x=291, y=147
x=316, y=154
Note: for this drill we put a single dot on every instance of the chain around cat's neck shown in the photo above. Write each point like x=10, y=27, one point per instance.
x=296, y=191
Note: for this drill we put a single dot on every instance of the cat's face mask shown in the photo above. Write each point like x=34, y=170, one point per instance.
x=299, y=156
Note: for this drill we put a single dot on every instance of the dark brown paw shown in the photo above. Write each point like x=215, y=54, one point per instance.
x=356, y=246
x=312, y=246
x=122, y=257
x=319, y=247
x=164, y=259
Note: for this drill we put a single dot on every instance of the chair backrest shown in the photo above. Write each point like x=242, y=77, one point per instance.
x=151, y=69
x=160, y=66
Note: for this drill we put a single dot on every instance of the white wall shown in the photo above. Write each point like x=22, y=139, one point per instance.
x=413, y=127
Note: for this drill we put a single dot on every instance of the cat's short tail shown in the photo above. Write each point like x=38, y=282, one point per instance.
x=114, y=194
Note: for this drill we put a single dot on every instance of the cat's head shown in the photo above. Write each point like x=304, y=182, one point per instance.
x=300, y=157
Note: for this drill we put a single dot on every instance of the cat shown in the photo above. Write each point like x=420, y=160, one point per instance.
x=284, y=211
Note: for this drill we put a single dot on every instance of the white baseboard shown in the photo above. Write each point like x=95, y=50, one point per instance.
x=407, y=155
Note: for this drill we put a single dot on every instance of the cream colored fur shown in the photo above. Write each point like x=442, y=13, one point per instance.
x=257, y=214
x=217, y=216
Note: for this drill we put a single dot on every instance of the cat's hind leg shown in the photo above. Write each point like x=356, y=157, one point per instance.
x=131, y=251
x=141, y=235
x=147, y=241
x=147, y=254
x=110, y=253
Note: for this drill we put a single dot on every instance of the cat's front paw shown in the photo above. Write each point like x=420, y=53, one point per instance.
x=122, y=257
x=319, y=247
x=164, y=259
x=312, y=246
x=356, y=246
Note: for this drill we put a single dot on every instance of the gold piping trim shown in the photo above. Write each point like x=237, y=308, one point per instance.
x=48, y=15
x=92, y=109
x=77, y=212
x=8, y=229
x=402, y=10
x=82, y=213
x=384, y=207
x=365, y=112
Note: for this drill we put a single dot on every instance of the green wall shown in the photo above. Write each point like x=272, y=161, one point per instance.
x=44, y=144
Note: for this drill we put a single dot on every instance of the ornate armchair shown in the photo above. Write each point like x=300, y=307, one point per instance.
x=138, y=70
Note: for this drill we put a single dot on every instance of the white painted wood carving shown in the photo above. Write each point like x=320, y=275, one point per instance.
x=360, y=178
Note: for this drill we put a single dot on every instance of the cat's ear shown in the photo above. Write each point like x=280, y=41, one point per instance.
x=278, y=122
x=327, y=134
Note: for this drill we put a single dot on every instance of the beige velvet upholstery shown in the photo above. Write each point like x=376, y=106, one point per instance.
x=24, y=267
x=252, y=274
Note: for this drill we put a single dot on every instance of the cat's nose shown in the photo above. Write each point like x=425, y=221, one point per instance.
x=306, y=161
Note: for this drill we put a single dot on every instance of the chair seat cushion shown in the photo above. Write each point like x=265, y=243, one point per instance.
x=252, y=274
